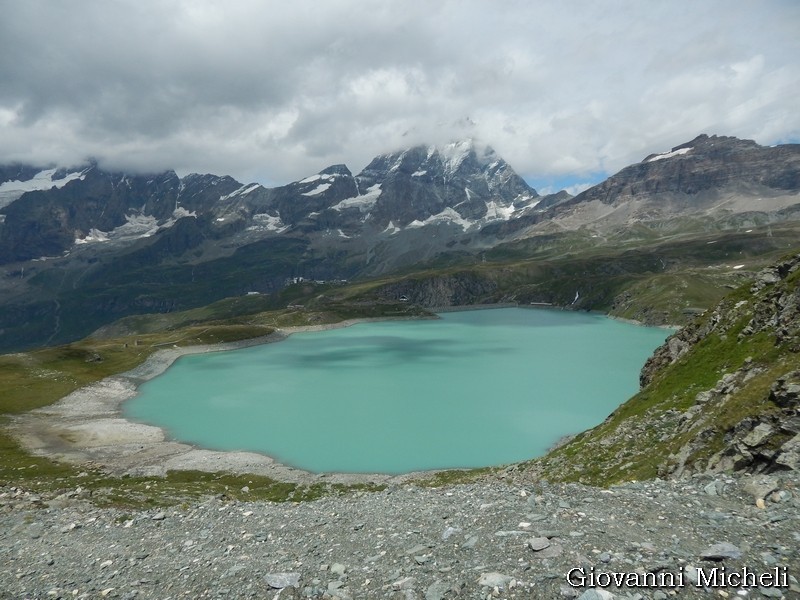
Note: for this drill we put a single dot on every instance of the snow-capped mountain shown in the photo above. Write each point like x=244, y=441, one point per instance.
x=462, y=183
x=463, y=186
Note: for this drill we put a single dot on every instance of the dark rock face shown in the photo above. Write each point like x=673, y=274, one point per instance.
x=201, y=193
x=785, y=391
x=296, y=201
x=47, y=222
x=454, y=290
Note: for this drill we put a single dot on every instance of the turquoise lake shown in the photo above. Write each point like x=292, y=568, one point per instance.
x=474, y=388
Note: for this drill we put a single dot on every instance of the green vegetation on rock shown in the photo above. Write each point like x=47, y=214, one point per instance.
x=705, y=392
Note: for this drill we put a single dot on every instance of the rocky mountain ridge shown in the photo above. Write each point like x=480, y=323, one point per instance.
x=710, y=182
x=48, y=212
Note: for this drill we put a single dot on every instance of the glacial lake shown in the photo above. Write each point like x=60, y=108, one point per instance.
x=474, y=388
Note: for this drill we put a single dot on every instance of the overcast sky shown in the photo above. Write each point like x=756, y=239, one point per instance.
x=565, y=91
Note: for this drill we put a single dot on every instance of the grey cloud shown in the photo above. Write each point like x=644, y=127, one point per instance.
x=276, y=91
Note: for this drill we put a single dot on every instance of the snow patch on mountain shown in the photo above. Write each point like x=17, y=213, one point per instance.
x=391, y=229
x=42, y=181
x=245, y=189
x=267, y=222
x=454, y=154
x=363, y=202
x=317, y=190
x=320, y=176
x=95, y=235
x=447, y=215
x=136, y=226
x=181, y=212
x=496, y=211
x=664, y=155
x=399, y=161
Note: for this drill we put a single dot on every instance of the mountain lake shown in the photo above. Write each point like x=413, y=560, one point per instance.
x=471, y=389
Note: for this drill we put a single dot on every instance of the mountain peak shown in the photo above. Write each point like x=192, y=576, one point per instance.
x=340, y=169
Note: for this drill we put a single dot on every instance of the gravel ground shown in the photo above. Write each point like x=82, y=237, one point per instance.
x=499, y=539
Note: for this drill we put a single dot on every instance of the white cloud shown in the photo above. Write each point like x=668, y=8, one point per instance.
x=274, y=92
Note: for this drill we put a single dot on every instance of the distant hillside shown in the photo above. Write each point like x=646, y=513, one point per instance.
x=711, y=182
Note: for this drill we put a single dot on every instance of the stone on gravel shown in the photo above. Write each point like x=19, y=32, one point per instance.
x=497, y=580
x=449, y=532
x=437, y=590
x=721, y=551
x=596, y=594
x=538, y=543
x=761, y=486
x=406, y=583
x=282, y=580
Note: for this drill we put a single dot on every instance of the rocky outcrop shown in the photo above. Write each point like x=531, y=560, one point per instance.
x=774, y=309
x=447, y=290
x=768, y=440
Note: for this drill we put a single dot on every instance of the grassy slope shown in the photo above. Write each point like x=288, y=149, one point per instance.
x=641, y=437
x=657, y=281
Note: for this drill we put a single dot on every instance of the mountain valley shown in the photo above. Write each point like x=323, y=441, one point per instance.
x=105, y=245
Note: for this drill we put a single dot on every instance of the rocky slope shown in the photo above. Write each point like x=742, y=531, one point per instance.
x=705, y=163
x=721, y=394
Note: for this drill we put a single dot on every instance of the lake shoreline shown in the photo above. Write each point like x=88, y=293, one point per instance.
x=87, y=427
